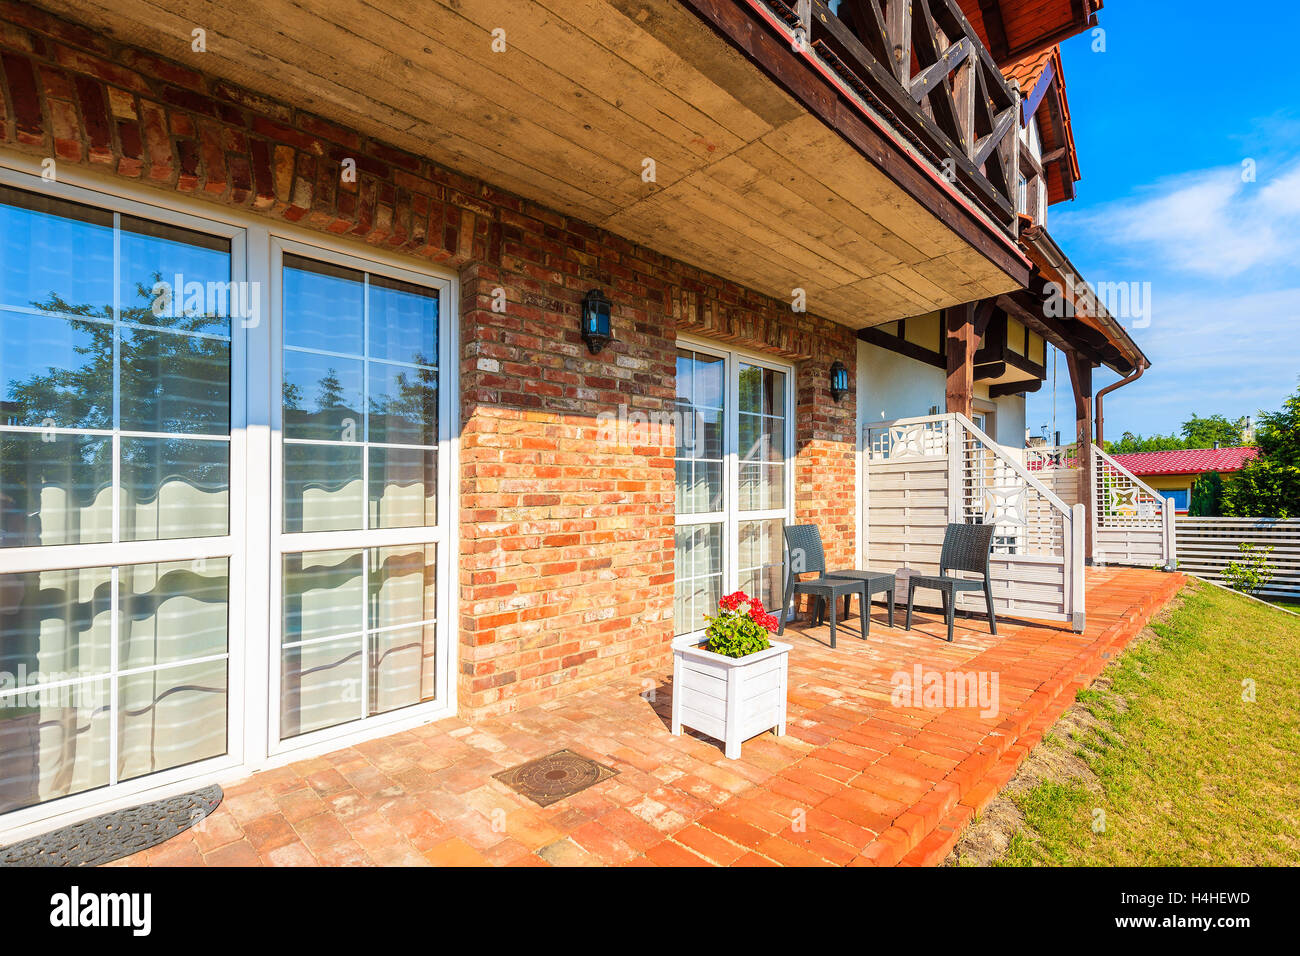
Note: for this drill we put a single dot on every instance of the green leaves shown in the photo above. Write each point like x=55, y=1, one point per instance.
x=733, y=634
x=1251, y=574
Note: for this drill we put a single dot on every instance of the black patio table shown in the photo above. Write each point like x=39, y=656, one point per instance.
x=869, y=583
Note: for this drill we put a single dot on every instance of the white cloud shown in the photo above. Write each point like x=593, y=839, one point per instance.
x=1208, y=223
x=1214, y=349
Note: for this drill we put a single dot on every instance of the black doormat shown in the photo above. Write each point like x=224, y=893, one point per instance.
x=554, y=777
x=111, y=836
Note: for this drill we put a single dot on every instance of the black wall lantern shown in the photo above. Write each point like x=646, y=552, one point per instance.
x=839, y=380
x=595, y=321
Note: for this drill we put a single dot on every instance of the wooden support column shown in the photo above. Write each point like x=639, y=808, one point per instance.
x=1081, y=382
x=962, y=342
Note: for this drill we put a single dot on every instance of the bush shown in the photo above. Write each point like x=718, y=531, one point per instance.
x=740, y=627
x=1252, y=573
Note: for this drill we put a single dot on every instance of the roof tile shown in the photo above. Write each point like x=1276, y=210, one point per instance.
x=1190, y=461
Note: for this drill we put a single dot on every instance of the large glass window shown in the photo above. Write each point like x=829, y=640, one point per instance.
x=732, y=481
x=360, y=399
x=360, y=457
x=141, y=487
x=115, y=431
x=114, y=385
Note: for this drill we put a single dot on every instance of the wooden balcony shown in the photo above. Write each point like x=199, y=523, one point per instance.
x=920, y=68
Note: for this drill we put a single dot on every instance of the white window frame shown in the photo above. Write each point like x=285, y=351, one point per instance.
x=255, y=499
x=730, y=516
x=283, y=542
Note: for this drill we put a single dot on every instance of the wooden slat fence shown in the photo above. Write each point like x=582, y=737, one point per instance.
x=922, y=473
x=1207, y=545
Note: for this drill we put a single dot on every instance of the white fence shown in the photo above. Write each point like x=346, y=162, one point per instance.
x=1207, y=545
x=922, y=473
x=1131, y=523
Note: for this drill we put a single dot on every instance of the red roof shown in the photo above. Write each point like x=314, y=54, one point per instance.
x=1191, y=461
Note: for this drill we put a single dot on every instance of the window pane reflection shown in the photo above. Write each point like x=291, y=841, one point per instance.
x=56, y=707
x=323, y=594
x=172, y=612
x=54, y=626
x=174, y=488
x=322, y=487
x=403, y=321
x=175, y=383
x=195, y=268
x=403, y=404
x=39, y=237
x=323, y=305
x=55, y=373
x=322, y=397
x=698, y=575
x=54, y=742
x=403, y=487
x=352, y=616
x=55, y=488
x=171, y=717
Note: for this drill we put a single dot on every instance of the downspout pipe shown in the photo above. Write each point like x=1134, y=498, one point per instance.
x=1102, y=393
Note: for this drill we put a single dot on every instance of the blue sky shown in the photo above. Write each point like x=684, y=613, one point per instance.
x=1164, y=119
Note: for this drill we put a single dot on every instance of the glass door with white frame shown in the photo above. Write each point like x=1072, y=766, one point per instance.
x=119, y=547
x=733, y=482
x=360, y=522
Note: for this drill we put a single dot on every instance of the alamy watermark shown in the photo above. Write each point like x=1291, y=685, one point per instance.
x=182, y=298
x=1130, y=301
x=942, y=689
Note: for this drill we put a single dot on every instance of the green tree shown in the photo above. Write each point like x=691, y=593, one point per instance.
x=1269, y=486
x=1196, y=432
x=1207, y=496
x=1129, y=444
x=1206, y=432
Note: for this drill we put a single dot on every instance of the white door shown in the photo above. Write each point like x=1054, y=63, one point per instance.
x=360, y=539
x=735, y=442
x=158, y=440
x=121, y=553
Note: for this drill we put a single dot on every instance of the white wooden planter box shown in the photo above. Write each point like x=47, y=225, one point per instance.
x=729, y=698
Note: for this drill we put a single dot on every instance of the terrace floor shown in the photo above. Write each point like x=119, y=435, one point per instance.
x=855, y=780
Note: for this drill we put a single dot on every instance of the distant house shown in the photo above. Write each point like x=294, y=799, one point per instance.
x=1172, y=472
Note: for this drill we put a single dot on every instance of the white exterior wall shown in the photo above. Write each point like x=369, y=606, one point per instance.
x=894, y=386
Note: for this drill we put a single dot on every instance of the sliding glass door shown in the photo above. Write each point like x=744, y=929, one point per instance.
x=734, y=445
x=225, y=496
x=120, y=545
x=360, y=523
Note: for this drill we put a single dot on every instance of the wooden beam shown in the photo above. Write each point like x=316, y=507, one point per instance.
x=898, y=26
x=1014, y=388
x=925, y=82
x=959, y=323
x=963, y=93
x=1004, y=123
x=1039, y=91
x=821, y=99
x=1081, y=384
x=901, y=346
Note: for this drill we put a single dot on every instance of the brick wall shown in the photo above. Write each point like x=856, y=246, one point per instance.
x=566, y=534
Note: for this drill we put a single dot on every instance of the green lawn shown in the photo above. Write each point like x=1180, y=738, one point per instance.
x=1185, y=770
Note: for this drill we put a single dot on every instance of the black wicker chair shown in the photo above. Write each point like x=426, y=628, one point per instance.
x=805, y=541
x=966, y=547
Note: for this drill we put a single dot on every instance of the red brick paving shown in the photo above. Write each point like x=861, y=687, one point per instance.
x=856, y=781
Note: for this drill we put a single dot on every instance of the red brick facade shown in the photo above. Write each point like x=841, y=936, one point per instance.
x=566, y=575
